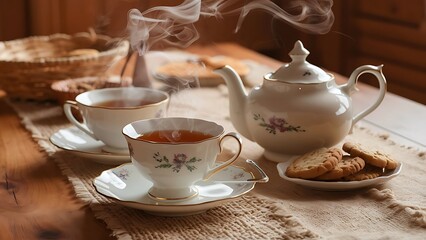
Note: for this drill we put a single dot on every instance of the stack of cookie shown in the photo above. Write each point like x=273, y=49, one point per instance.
x=329, y=164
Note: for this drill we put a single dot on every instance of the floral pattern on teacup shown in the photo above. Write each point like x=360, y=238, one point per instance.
x=122, y=173
x=275, y=124
x=179, y=161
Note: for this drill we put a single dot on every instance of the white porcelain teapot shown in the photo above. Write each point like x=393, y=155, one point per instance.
x=298, y=108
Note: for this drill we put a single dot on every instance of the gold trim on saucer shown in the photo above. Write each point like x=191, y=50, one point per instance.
x=263, y=179
x=173, y=199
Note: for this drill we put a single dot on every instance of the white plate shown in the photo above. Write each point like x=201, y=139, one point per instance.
x=126, y=186
x=337, y=186
x=74, y=140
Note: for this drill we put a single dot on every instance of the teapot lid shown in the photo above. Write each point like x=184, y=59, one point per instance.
x=299, y=70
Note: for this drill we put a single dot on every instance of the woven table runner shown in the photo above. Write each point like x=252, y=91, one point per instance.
x=275, y=210
x=245, y=218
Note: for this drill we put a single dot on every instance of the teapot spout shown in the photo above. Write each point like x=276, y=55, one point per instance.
x=237, y=99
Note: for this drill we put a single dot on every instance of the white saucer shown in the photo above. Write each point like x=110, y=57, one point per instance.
x=74, y=140
x=126, y=186
x=337, y=186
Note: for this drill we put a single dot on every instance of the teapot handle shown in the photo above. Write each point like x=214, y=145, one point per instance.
x=350, y=87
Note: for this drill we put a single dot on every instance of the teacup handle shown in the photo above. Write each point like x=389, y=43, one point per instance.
x=67, y=110
x=350, y=86
x=231, y=160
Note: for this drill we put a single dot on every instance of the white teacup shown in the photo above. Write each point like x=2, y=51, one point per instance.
x=174, y=167
x=106, y=111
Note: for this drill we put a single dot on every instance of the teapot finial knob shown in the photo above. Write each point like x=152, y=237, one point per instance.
x=299, y=52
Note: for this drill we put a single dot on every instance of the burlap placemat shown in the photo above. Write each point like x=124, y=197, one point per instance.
x=245, y=218
x=275, y=210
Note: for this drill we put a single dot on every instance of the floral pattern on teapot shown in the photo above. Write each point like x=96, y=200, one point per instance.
x=274, y=123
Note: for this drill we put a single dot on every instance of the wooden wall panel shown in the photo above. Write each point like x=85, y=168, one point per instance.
x=110, y=17
x=397, y=79
x=44, y=17
x=396, y=73
x=79, y=15
x=411, y=11
x=384, y=31
x=65, y=16
x=13, y=19
x=392, y=33
x=411, y=35
x=406, y=55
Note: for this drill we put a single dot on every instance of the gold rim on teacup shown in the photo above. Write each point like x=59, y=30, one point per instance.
x=165, y=99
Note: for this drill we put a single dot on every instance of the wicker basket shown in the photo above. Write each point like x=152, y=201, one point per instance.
x=29, y=66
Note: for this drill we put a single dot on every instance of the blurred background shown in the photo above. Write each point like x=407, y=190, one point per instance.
x=388, y=32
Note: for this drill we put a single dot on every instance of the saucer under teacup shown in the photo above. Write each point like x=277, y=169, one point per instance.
x=77, y=142
x=126, y=186
x=124, y=151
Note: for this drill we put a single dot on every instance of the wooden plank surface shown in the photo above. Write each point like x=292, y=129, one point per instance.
x=36, y=200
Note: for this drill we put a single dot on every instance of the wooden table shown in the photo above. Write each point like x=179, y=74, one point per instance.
x=37, y=201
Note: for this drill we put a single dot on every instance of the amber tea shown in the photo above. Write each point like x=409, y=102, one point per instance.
x=120, y=103
x=174, y=136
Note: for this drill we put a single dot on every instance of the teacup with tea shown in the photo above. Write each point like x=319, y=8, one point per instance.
x=175, y=153
x=106, y=111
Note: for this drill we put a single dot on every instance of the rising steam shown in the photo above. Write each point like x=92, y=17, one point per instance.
x=174, y=25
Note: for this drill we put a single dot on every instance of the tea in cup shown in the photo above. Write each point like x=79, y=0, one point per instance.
x=175, y=153
x=106, y=111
